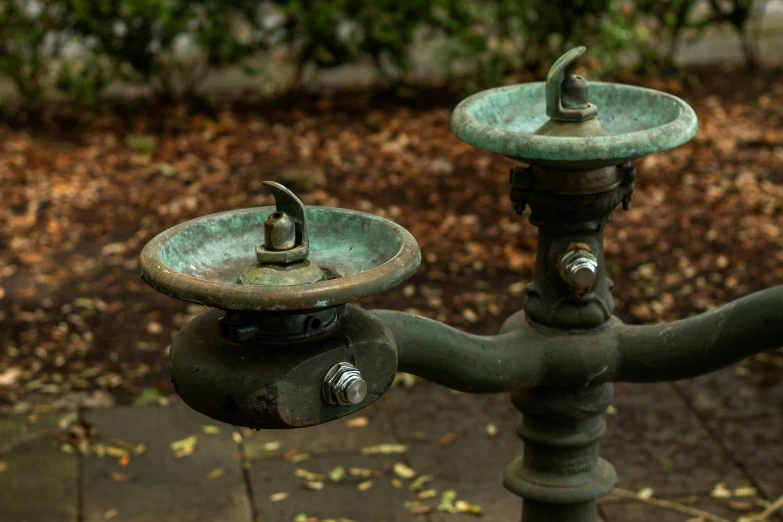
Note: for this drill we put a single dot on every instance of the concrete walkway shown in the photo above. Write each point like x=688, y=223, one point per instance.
x=716, y=436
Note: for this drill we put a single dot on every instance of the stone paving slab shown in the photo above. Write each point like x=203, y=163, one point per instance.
x=473, y=463
x=654, y=438
x=381, y=502
x=752, y=388
x=756, y=443
x=331, y=437
x=633, y=511
x=165, y=488
x=655, y=441
x=40, y=483
x=743, y=406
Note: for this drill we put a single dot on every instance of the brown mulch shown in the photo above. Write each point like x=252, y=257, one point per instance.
x=80, y=198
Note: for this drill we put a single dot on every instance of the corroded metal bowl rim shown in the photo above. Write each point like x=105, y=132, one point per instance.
x=559, y=151
x=310, y=296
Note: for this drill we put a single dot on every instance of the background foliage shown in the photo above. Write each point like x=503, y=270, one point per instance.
x=169, y=46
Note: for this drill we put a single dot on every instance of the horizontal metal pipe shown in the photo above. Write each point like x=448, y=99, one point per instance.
x=701, y=344
x=462, y=361
x=525, y=357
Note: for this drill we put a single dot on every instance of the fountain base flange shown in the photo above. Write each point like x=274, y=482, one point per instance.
x=265, y=384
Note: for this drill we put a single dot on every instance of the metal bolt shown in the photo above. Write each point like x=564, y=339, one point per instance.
x=279, y=231
x=343, y=385
x=578, y=268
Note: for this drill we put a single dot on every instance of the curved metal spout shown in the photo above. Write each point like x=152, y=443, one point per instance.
x=701, y=344
x=462, y=361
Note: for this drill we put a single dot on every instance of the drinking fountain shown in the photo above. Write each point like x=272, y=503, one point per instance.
x=282, y=347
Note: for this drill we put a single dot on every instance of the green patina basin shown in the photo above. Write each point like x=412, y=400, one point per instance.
x=200, y=260
x=638, y=121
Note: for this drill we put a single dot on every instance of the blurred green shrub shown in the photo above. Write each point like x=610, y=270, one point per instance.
x=31, y=36
x=170, y=45
x=314, y=34
x=505, y=36
x=140, y=38
x=739, y=13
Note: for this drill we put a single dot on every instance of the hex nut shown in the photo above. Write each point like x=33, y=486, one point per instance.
x=343, y=385
x=578, y=269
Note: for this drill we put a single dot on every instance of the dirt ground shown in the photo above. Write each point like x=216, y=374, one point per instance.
x=83, y=191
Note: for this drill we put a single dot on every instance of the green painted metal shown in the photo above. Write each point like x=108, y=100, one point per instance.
x=528, y=355
x=265, y=364
x=559, y=474
x=568, y=101
x=271, y=274
x=276, y=383
x=200, y=260
x=639, y=121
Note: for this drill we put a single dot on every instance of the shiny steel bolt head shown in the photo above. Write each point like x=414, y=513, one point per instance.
x=578, y=269
x=343, y=385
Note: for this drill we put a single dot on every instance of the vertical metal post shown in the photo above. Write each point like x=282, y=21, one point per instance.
x=560, y=476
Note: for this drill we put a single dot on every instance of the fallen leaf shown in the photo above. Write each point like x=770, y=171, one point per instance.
x=122, y=477
x=720, y=491
x=358, y=422
x=385, y=449
x=154, y=328
x=314, y=485
x=111, y=514
x=215, y=473
x=363, y=472
x=10, y=376
x=117, y=453
x=447, y=501
x=210, y=430
x=311, y=477
x=738, y=505
x=299, y=457
x=147, y=397
x=491, y=430
x=447, y=439
x=420, y=510
x=278, y=497
x=427, y=493
x=645, y=493
x=403, y=471
x=271, y=446
x=364, y=486
x=237, y=437
x=124, y=461
x=337, y=474
x=395, y=482
x=406, y=380
x=419, y=483
x=184, y=447
x=745, y=491
x=471, y=509
x=3, y=466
